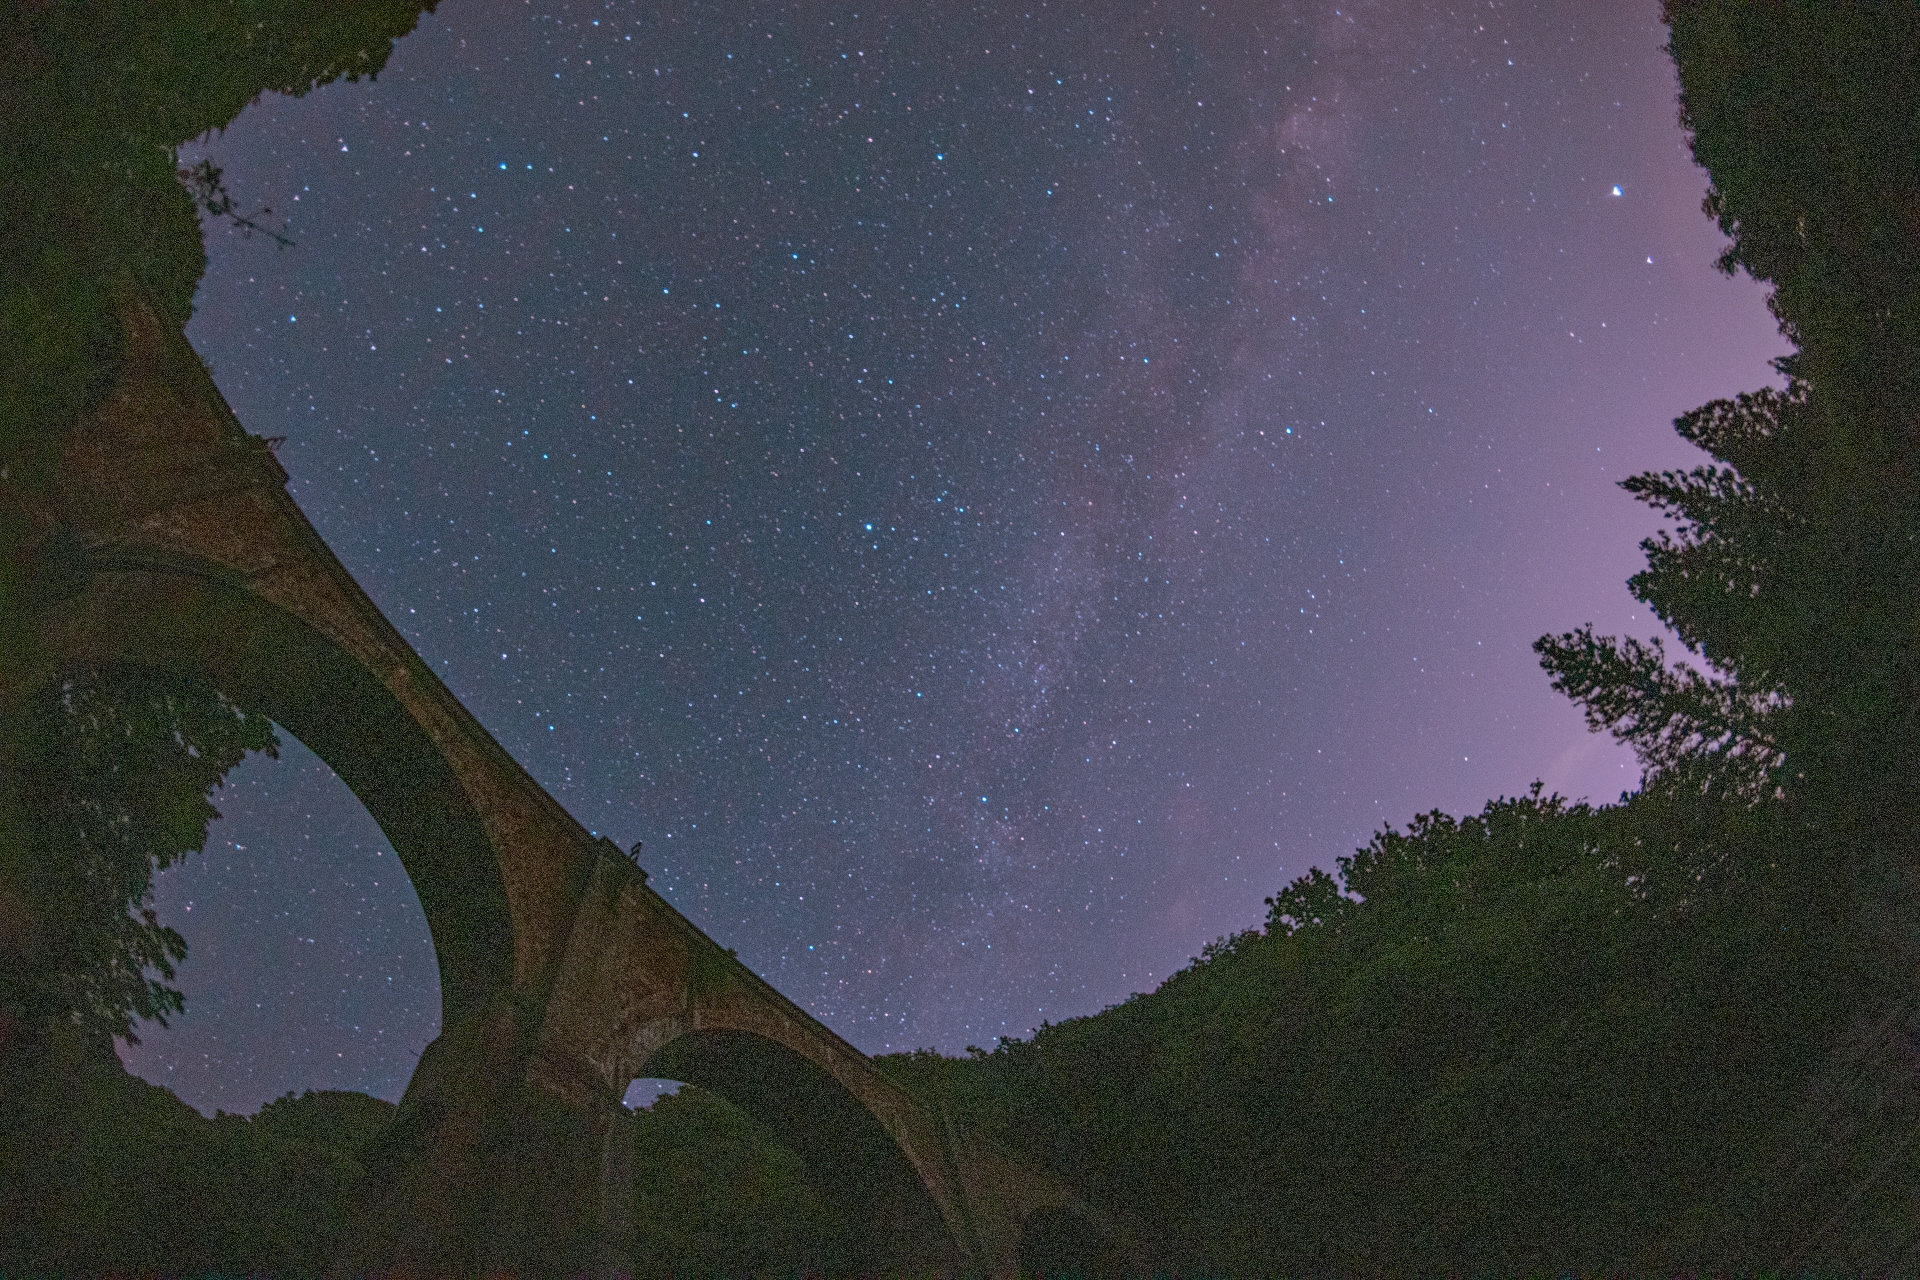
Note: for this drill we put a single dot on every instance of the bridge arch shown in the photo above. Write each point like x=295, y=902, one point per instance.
x=640, y=992
x=270, y=662
x=856, y=1163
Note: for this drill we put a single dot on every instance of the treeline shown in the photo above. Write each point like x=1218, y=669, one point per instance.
x=104, y=1174
x=1652, y=1037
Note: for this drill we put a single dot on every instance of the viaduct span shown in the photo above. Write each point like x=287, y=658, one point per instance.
x=169, y=540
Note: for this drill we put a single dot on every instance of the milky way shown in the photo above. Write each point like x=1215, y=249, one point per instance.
x=985, y=495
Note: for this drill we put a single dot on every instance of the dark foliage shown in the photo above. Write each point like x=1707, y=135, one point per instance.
x=104, y=1174
x=110, y=775
x=94, y=98
x=107, y=1174
x=1793, y=564
x=716, y=1195
x=1544, y=1038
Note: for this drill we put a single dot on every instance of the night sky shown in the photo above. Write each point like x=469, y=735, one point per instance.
x=986, y=495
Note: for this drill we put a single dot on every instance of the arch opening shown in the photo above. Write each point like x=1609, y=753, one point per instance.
x=643, y=1091
x=309, y=964
x=705, y=1189
x=273, y=664
x=853, y=1161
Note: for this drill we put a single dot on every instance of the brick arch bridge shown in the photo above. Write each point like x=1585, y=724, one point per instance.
x=170, y=540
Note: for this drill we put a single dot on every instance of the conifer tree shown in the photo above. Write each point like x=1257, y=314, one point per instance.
x=1792, y=567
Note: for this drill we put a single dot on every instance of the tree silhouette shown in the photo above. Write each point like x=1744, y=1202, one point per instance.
x=98, y=96
x=1793, y=565
x=112, y=780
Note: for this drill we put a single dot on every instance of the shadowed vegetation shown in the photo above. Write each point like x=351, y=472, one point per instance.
x=715, y=1194
x=110, y=775
x=98, y=95
x=104, y=1174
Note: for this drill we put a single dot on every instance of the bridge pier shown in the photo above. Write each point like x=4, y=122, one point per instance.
x=482, y=1171
x=487, y=1169
x=617, y=1234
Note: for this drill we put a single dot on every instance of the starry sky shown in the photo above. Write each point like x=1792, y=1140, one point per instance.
x=986, y=493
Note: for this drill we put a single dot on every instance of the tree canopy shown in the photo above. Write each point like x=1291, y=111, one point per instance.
x=1792, y=565
x=95, y=98
x=110, y=775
